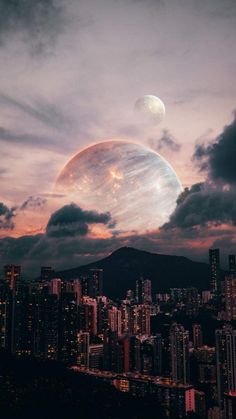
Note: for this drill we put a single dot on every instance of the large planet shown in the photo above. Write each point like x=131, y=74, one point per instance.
x=133, y=183
x=151, y=108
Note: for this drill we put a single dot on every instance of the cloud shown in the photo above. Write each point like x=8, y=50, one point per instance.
x=201, y=206
x=39, y=21
x=6, y=217
x=218, y=159
x=167, y=141
x=33, y=202
x=212, y=203
x=71, y=220
x=34, y=140
x=40, y=110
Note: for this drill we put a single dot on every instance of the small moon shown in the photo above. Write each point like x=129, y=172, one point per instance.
x=135, y=184
x=150, y=107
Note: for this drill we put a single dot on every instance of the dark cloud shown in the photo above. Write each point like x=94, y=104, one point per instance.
x=71, y=220
x=201, y=206
x=218, y=159
x=33, y=202
x=6, y=217
x=39, y=21
x=70, y=251
x=167, y=141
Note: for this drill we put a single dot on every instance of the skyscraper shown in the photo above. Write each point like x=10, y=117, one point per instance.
x=214, y=259
x=47, y=325
x=197, y=336
x=68, y=327
x=83, y=349
x=225, y=361
x=12, y=275
x=232, y=265
x=23, y=321
x=143, y=292
x=46, y=273
x=95, y=282
x=88, y=316
x=230, y=297
x=55, y=286
x=5, y=316
x=179, y=349
x=114, y=320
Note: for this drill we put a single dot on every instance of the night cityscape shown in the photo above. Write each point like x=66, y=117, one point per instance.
x=117, y=209
x=176, y=347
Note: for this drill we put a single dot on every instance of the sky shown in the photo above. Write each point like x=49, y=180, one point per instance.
x=71, y=72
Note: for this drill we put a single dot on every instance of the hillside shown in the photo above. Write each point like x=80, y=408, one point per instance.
x=126, y=264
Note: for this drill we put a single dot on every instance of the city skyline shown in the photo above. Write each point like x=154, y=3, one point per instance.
x=69, y=85
x=176, y=345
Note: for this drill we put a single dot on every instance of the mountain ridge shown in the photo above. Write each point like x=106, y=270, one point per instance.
x=126, y=264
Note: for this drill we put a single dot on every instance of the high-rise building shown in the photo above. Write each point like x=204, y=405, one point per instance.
x=5, y=316
x=232, y=266
x=83, y=349
x=114, y=319
x=46, y=273
x=76, y=286
x=214, y=413
x=68, y=328
x=144, y=319
x=147, y=291
x=84, y=286
x=88, y=316
x=12, y=275
x=230, y=297
x=55, y=286
x=214, y=259
x=225, y=361
x=200, y=404
x=126, y=317
x=23, y=321
x=135, y=354
x=206, y=360
x=143, y=294
x=230, y=405
x=111, y=348
x=150, y=355
x=95, y=282
x=197, y=336
x=179, y=349
x=47, y=325
x=96, y=356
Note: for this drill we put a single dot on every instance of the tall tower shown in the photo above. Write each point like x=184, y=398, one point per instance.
x=143, y=291
x=83, y=349
x=12, y=275
x=232, y=265
x=95, y=282
x=46, y=273
x=230, y=297
x=179, y=348
x=68, y=328
x=197, y=336
x=214, y=260
x=225, y=361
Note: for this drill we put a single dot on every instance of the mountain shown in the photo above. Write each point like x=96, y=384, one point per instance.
x=126, y=264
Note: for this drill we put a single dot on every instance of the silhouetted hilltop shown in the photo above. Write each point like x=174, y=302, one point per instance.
x=126, y=264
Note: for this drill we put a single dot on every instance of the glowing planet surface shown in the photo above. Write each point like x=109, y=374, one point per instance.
x=151, y=108
x=135, y=184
